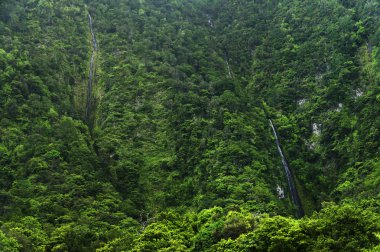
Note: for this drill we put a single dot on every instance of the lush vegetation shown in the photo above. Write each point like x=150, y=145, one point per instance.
x=178, y=153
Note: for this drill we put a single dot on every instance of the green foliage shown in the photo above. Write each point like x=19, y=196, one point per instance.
x=342, y=228
x=335, y=228
x=29, y=234
x=8, y=244
x=179, y=154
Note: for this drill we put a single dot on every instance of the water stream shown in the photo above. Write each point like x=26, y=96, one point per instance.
x=91, y=72
x=292, y=188
x=228, y=69
x=229, y=73
x=92, y=32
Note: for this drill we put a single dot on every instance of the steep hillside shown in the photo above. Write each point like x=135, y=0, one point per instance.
x=146, y=125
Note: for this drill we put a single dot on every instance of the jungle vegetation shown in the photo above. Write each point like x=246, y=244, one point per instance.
x=171, y=148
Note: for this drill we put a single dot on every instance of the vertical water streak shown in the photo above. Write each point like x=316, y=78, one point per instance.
x=89, y=87
x=92, y=32
x=91, y=71
x=292, y=188
x=228, y=69
x=229, y=73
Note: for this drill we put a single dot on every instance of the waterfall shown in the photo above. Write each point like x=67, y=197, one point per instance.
x=292, y=188
x=91, y=71
x=92, y=32
x=89, y=87
x=229, y=73
x=228, y=69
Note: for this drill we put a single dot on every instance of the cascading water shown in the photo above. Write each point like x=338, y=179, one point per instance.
x=92, y=32
x=91, y=72
x=89, y=87
x=292, y=188
x=228, y=69
x=229, y=73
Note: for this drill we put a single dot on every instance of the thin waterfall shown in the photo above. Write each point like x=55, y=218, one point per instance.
x=92, y=32
x=229, y=73
x=89, y=87
x=91, y=72
x=292, y=188
x=228, y=69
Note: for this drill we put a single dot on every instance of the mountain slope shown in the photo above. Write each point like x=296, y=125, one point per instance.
x=169, y=146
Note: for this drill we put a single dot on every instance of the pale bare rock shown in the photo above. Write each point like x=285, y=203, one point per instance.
x=301, y=102
x=280, y=192
x=316, y=129
x=358, y=93
x=339, y=108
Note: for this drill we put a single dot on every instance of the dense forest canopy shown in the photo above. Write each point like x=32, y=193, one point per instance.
x=203, y=125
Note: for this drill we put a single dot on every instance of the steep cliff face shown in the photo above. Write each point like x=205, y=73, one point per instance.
x=143, y=125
